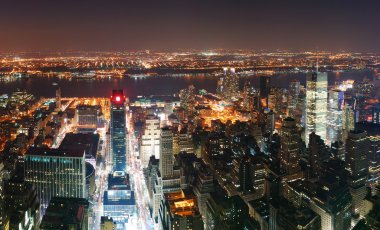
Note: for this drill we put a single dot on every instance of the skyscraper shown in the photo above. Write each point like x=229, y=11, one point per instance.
x=55, y=173
x=376, y=114
x=21, y=204
x=230, y=88
x=118, y=131
x=374, y=162
x=58, y=98
x=187, y=99
x=335, y=116
x=357, y=149
x=290, y=151
x=348, y=120
x=264, y=89
x=167, y=179
x=294, y=93
x=316, y=105
x=318, y=153
x=248, y=97
x=150, y=140
x=166, y=152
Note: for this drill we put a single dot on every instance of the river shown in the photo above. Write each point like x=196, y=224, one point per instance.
x=159, y=85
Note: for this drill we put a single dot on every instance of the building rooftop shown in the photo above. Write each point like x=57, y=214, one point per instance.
x=328, y=193
x=87, y=142
x=298, y=216
x=371, y=128
x=65, y=213
x=119, y=197
x=118, y=182
x=261, y=206
x=44, y=151
x=87, y=106
x=182, y=203
x=104, y=219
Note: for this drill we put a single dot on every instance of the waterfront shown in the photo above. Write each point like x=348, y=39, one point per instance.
x=153, y=85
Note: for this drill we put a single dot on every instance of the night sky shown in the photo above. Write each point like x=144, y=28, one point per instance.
x=166, y=24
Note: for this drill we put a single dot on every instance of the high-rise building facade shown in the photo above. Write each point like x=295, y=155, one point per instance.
x=21, y=204
x=150, y=140
x=166, y=152
x=58, y=98
x=335, y=116
x=357, y=149
x=289, y=150
x=348, y=120
x=264, y=90
x=248, y=95
x=294, y=93
x=318, y=153
x=316, y=105
x=374, y=162
x=230, y=88
x=55, y=173
x=167, y=179
x=118, y=131
x=187, y=99
x=376, y=114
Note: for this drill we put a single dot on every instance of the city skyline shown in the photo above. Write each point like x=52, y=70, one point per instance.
x=178, y=115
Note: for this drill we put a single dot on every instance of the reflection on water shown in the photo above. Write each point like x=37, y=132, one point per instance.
x=152, y=85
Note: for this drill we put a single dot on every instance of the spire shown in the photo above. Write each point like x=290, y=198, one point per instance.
x=317, y=65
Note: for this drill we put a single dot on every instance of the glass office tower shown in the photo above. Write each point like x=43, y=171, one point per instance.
x=335, y=116
x=316, y=105
x=118, y=131
x=55, y=172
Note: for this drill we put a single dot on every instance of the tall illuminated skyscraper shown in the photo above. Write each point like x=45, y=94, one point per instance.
x=316, y=105
x=118, y=131
x=348, y=120
x=335, y=116
x=230, y=88
x=150, y=140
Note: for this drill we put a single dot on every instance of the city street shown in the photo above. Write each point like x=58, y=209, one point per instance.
x=138, y=180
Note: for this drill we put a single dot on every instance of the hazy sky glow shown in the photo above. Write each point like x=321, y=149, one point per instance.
x=160, y=24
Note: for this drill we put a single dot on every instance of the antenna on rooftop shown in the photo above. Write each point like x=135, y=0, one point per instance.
x=317, y=65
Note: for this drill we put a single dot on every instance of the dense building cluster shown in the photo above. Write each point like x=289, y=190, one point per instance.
x=302, y=157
